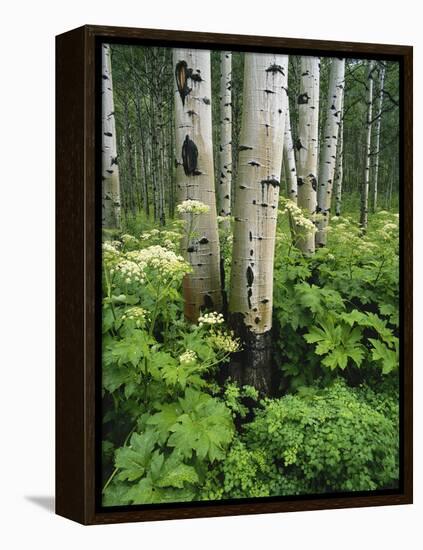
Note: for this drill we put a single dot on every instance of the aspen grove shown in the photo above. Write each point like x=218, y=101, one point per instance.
x=250, y=274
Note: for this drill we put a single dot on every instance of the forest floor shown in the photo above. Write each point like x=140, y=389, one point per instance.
x=173, y=433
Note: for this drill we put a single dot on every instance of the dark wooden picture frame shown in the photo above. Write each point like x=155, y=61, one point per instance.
x=78, y=351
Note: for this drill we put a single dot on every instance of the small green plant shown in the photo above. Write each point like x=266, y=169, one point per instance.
x=329, y=440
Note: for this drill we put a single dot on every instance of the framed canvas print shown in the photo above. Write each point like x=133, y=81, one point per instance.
x=234, y=274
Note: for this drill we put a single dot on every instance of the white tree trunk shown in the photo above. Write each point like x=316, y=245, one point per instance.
x=307, y=146
x=110, y=170
x=364, y=205
x=195, y=178
x=377, y=137
x=289, y=158
x=339, y=169
x=225, y=149
x=255, y=210
x=329, y=145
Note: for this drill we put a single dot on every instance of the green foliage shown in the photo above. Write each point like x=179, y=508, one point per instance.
x=337, y=312
x=162, y=425
x=329, y=440
x=172, y=434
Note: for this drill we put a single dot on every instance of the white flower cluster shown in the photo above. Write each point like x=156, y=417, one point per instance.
x=390, y=227
x=188, y=357
x=136, y=314
x=301, y=221
x=130, y=272
x=212, y=318
x=225, y=342
x=110, y=249
x=149, y=234
x=192, y=207
x=166, y=262
x=127, y=239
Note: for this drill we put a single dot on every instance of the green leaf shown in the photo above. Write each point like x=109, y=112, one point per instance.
x=205, y=428
x=165, y=419
x=134, y=460
x=389, y=357
x=176, y=474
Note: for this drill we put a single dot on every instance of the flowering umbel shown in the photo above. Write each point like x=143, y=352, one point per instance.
x=192, y=207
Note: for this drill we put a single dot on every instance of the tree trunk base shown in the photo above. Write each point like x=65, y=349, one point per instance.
x=254, y=365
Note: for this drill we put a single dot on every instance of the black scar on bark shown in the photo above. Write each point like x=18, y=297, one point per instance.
x=189, y=157
x=204, y=240
x=271, y=181
x=275, y=69
x=249, y=294
x=206, y=100
x=108, y=134
x=195, y=77
x=190, y=249
x=243, y=187
x=207, y=302
x=269, y=91
x=191, y=113
x=298, y=145
x=300, y=181
x=110, y=171
x=250, y=276
x=251, y=236
x=303, y=99
x=313, y=181
x=105, y=77
x=264, y=301
x=244, y=148
x=254, y=163
x=251, y=252
x=181, y=76
x=114, y=161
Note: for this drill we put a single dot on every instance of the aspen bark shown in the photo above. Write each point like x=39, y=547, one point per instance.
x=377, y=137
x=255, y=212
x=329, y=146
x=339, y=169
x=289, y=158
x=225, y=148
x=307, y=146
x=364, y=208
x=195, y=178
x=110, y=171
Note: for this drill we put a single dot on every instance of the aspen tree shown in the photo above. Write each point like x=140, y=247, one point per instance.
x=307, y=146
x=329, y=146
x=109, y=159
x=225, y=148
x=339, y=169
x=364, y=208
x=377, y=137
x=195, y=179
x=289, y=158
x=255, y=212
